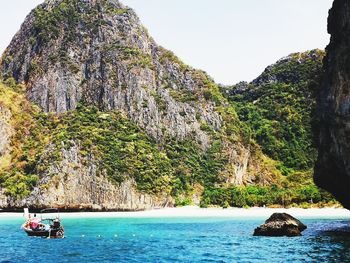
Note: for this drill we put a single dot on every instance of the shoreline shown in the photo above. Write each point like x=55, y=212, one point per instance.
x=196, y=212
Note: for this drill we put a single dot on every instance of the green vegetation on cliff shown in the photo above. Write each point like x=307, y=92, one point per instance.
x=297, y=190
x=195, y=140
x=117, y=146
x=17, y=177
x=276, y=110
x=191, y=137
x=70, y=13
x=279, y=107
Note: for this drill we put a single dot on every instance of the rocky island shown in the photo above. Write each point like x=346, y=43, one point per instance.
x=280, y=224
x=111, y=118
x=95, y=115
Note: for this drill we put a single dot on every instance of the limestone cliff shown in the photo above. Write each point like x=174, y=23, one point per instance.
x=332, y=170
x=5, y=129
x=97, y=52
x=122, y=123
x=75, y=185
x=35, y=171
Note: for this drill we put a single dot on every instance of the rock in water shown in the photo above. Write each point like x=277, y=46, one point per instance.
x=280, y=224
x=332, y=171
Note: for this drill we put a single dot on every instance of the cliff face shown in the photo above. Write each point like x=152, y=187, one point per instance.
x=96, y=52
x=279, y=107
x=332, y=170
x=38, y=171
x=76, y=184
x=5, y=129
x=122, y=123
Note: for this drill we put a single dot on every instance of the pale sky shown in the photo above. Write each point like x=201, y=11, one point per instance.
x=232, y=40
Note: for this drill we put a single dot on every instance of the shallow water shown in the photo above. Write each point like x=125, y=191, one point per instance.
x=175, y=240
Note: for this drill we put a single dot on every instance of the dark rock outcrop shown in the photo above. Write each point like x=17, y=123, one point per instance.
x=280, y=224
x=332, y=171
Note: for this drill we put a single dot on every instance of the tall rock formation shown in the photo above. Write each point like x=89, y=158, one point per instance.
x=95, y=72
x=332, y=170
x=97, y=52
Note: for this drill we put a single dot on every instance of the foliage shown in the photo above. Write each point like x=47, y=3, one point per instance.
x=15, y=168
x=183, y=95
x=133, y=56
x=159, y=100
x=192, y=166
x=120, y=149
x=279, y=109
x=276, y=111
x=167, y=55
x=70, y=14
x=302, y=192
x=19, y=185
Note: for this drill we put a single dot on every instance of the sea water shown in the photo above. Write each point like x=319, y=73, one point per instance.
x=175, y=240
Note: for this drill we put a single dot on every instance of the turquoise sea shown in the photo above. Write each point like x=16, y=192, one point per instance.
x=175, y=240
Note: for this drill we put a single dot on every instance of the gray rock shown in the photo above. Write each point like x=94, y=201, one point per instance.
x=6, y=129
x=280, y=224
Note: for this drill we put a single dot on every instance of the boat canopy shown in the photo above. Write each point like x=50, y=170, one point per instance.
x=49, y=210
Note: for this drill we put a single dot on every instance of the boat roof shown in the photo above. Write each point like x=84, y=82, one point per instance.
x=49, y=210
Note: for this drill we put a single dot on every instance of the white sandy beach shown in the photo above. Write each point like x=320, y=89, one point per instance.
x=196, y=212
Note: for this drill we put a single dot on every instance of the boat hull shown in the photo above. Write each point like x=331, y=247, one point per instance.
x=52, y=233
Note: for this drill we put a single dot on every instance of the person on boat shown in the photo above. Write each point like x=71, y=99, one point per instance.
x=56, y=223
x=34, y=223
